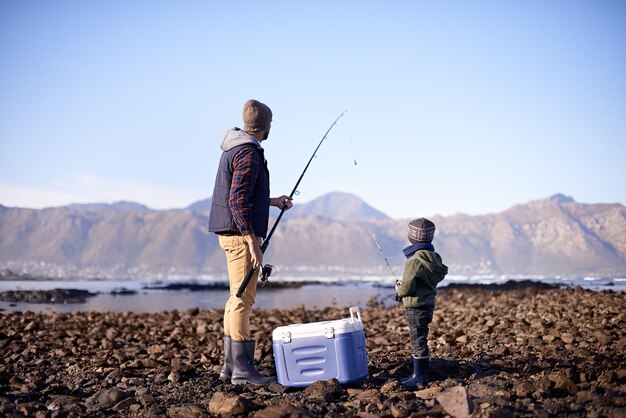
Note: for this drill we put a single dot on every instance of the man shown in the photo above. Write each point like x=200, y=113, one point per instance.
x=239, y=216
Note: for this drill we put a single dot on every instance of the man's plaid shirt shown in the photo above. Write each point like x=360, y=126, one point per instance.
x=246, y=166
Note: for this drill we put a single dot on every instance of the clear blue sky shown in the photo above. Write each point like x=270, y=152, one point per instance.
x=452, y=106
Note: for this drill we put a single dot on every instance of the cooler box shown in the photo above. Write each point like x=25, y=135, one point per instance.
x=305, y=353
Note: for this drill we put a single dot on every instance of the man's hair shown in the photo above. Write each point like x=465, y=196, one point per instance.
x=256, y=116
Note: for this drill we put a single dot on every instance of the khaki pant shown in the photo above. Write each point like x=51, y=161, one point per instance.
x=237, y=310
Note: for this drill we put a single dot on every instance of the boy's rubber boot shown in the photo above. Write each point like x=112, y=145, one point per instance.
x=227, y=368
x=243, y=364
x=420, y=373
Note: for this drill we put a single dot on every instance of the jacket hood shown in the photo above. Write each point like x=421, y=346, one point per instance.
x=432, y=262
x=235, y=137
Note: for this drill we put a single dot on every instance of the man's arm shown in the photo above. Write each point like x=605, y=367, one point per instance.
x=246, y=166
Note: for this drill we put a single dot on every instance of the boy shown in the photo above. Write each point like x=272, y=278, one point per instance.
x=418, y=288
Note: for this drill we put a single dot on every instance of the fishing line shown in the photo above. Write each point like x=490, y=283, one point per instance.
x=265, y=244
x=383, y=253
x=398, y=297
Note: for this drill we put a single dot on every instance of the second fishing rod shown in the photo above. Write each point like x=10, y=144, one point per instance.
x=266, y=243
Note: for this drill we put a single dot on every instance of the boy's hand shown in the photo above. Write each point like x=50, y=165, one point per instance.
x=398, y=297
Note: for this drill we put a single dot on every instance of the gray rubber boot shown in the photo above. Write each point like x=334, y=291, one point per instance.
x=243, y=365
x=420, y=373
x=227, y=369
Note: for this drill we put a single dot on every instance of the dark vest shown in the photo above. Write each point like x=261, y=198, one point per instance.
x=221, y=218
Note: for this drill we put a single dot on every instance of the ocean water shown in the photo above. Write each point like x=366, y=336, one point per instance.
x=315, y=292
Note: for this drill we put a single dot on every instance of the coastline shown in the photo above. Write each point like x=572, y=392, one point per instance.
x=522, y=350
x=154, y=295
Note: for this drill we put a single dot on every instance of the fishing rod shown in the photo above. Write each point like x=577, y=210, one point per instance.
x=265, y=244
x=386, y=261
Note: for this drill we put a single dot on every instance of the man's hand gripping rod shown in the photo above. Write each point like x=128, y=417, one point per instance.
x=265, y=244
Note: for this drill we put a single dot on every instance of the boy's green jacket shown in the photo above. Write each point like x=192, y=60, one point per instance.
x=422, y=272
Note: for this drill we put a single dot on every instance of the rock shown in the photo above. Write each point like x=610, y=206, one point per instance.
x=563, y=382
x=400, y=410
x=367, y=414
x=105, y=398
x=187, y=411
x=31, y=326
x=324, y=390
x=146, y=399
x=369, y=396
x=24, y=409
x=61, y=402
x=202, y=328
x=390, y=387
x=584, y=396
x=111, y=334
x=153, y=412
x=455, y=402
x=462, y=339
x=149, y=363
x=428, y=393
x=122, y=405
x=524, y=389
x=481, y=389
x=276, y=387
x=282, y=411
x=353, y=391
x=155, y=349
x=222, y=404
x=174, y=376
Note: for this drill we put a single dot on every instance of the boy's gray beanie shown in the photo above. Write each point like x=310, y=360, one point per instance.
x=421, y=230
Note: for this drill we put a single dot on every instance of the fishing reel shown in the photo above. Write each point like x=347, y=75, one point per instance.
x=397, y=297
x=267, y=271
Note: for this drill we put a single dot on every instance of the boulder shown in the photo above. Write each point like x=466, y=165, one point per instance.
x=455, y=402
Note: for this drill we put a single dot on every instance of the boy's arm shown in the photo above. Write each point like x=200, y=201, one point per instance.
x=410, y=271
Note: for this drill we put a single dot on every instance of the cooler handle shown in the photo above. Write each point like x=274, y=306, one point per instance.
x=355, y=310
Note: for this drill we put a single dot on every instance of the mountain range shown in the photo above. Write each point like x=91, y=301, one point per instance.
x=331, y=235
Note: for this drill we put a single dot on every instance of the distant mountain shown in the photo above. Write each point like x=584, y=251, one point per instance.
x=550, y=236
x=62, y=242
x=561, y=198
x=331, y=235
x=121, y=206
x=338, y=206
x=200, y=206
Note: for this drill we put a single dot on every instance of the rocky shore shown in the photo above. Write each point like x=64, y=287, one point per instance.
x=523, y=350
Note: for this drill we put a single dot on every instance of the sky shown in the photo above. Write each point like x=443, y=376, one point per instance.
x=453, y=106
